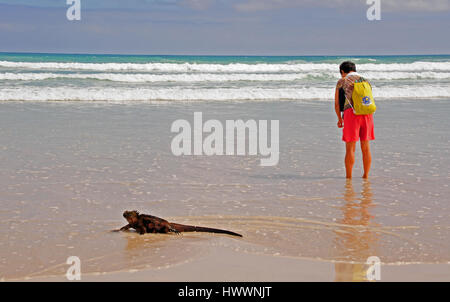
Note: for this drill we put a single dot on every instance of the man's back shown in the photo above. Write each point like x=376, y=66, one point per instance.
x=347, y=84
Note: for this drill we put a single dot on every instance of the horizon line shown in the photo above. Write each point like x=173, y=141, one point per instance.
x=222, y=55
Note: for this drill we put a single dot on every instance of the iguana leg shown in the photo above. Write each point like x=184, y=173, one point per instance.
x=141, y=230
x=124, y=228
x=171, y=229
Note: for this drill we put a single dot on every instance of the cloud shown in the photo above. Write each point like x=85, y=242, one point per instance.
x=386, y=5
x=246, y=5
x=114, y=4
x=40, y=3
x=416, y=5
x=198, y=4
x=259, y=5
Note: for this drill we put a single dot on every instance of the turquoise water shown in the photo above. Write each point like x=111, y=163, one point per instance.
x=105, y=58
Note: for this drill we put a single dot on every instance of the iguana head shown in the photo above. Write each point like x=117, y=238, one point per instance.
x=131, y=216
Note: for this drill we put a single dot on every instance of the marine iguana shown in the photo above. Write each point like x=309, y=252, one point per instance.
x=143, y=223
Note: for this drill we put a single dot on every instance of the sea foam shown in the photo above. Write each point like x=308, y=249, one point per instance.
x=156, y=81
x=216, y=77
x=232, y=67
x=205, y=94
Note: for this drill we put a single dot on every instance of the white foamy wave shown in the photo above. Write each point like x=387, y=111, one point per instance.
x=124, y=95
x=399, y=75
x=141, y=78
x=227, y=68
x=215, y=77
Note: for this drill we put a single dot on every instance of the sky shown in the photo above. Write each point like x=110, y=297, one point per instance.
x=226, y=27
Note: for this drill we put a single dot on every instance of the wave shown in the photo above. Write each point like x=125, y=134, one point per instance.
x=124, y=95
x=227, y=68
x=141, y=78
x=214, y=77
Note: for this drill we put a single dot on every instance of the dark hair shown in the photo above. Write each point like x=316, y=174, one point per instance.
x=347, y=66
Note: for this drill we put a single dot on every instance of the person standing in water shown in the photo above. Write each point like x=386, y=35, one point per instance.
x=355, y=127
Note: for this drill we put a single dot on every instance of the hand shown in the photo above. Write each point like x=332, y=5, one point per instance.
x=340, y=123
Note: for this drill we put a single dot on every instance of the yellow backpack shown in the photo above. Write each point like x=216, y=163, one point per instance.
x=363, y=102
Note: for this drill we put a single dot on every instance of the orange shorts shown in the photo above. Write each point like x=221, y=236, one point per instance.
x=357, y=127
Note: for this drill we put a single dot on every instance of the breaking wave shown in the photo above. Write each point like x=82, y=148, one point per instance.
x=118, y=95
x=215, y=77
x=229, y=68
x=162, y=81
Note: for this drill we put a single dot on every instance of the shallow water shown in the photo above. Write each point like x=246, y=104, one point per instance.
x=69, y=170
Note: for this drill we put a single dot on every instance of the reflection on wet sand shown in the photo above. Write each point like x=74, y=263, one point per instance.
x=138, y=242
x=355, y=245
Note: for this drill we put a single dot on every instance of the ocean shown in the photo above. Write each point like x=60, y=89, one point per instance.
x=85, y=137
x=139, y=78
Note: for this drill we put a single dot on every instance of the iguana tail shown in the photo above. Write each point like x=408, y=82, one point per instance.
x=190, y=228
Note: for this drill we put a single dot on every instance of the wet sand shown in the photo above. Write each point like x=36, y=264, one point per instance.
x=69, y=170
x=225, y=265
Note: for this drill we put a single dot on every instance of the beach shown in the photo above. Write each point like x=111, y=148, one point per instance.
x=69, y=170
x=85, y=137
x=221, y=264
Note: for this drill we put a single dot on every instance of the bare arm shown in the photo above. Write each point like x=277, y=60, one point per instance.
x=337, y=109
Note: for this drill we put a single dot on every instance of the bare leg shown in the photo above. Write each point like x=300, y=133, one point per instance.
x=349, y=158
x=367, y=157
